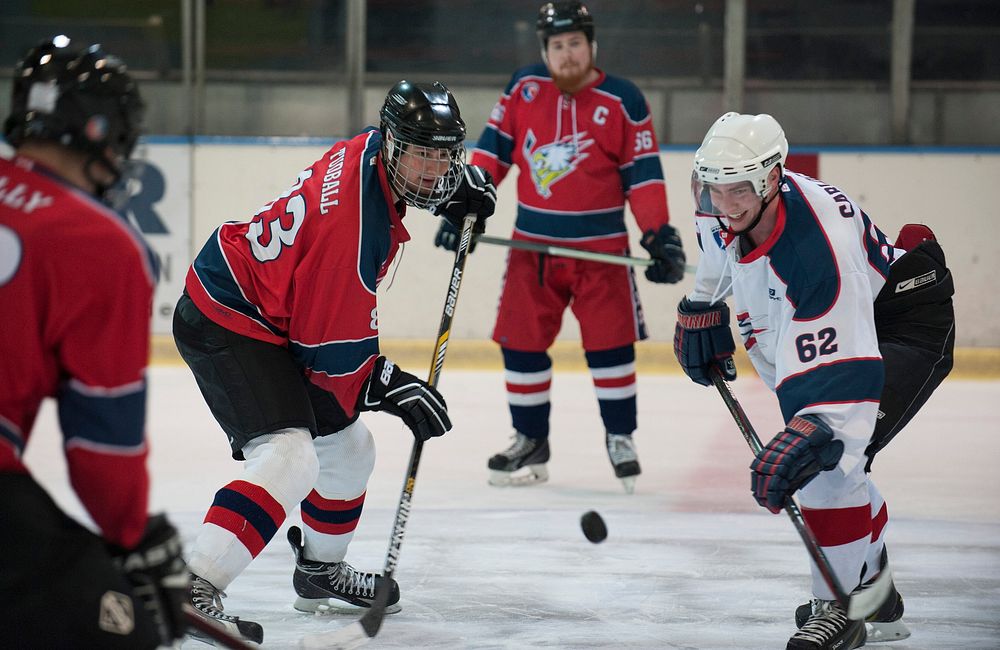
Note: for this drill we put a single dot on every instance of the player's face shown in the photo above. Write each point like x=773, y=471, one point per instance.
x=569, y=59
x=736, y=202
x=421, y=168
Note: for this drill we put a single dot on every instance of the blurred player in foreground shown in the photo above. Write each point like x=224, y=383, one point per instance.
x=76, y=285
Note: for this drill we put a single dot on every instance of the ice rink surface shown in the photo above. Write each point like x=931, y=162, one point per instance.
x=690, y=561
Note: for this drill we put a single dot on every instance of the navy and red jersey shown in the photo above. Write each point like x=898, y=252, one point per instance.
x=579, y=158
x=303, y=272
x=76, y=285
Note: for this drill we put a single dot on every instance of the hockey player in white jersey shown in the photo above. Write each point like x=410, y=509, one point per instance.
x=851, y=330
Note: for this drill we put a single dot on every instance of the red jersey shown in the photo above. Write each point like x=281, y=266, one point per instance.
x=579, y=156
x=303, y=272
x=76, y=285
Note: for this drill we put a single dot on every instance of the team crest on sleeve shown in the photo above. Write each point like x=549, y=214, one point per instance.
x=529, y=91
x=552, y=162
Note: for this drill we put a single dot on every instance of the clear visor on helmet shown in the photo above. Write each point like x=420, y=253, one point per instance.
x=723, y=199
x=424, y=176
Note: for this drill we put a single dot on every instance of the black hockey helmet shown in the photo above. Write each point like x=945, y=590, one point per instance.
x=561, y=17
x=418, y=118
x=81, y=98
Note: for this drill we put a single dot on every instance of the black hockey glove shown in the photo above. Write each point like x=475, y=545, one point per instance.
x=793, y=458
x=476, y=194
x=667, y=252
x=415, y=402
x=447, y=237
x=158, y=575
x=703, y=341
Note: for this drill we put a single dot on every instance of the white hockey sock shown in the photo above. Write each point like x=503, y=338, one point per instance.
x=279, y=471
x=331, y=512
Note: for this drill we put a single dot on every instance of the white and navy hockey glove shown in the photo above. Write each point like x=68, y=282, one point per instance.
x=476, y=194
x=415, y=402
x=793, y=458
x=703, y=341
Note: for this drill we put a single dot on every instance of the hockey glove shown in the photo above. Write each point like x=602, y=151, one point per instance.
x=447, y=237
x=476, y=194
x=158, y=575
x=667, y=252
x=703, y=340
x=793, y=458
x=415, y=402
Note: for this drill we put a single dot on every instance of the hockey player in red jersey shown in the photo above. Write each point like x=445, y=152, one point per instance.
x=852, y=331
x=279, y=324
x=584, y=144
x=76, y=285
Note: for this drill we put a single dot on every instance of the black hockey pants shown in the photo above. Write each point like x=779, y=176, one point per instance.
x=915, y=321
x=58, y=585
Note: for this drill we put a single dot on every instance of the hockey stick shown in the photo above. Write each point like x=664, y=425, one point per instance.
x=216, y=633
x=359, y=632
x=857, y=605
x=575, y=253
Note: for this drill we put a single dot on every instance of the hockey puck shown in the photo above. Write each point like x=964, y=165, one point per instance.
x=593, y=527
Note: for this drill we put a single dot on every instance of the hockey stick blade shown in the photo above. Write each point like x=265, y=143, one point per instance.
x=364, y=629
x=857, y=605
x=864, y=602
x=575, y=253
x=346, y=638
x=216, y=633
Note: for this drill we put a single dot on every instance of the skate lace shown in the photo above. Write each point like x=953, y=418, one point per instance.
x=521, y=446
x=825, y=622
x=347, y=580
x=620, y=449
x=208, y=600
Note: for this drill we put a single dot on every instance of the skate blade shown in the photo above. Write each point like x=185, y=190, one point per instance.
x=527, y=475
x=885, y=632
x=334, y=607
x=629, y=483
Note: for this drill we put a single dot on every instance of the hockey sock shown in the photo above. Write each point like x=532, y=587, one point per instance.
x=529, y=380
x=280, y=469
x=880, y=517
x=332, y=510
x=613, y=372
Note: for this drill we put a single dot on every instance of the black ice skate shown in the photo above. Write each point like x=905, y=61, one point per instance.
x=621, y=451
x=885, y=623
x=828, y=628
x=332, y=587
x=523, y=463
x=207, y=603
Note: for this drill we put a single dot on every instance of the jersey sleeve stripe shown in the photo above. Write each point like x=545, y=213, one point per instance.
x=107, y=422
x=12, y=434
x=847, y=381
x=494, y=142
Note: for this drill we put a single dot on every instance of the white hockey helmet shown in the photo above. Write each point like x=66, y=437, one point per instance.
x=741, y=148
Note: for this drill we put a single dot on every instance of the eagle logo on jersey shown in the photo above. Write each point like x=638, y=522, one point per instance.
x=554, y=161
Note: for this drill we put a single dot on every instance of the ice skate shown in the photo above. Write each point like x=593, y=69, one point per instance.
x=206, y=601
x=523, y=463
x=621, y=451
x=334, y=587
x=828, y=628
x=884, y=624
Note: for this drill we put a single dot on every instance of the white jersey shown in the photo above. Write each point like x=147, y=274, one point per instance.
x=803, y=301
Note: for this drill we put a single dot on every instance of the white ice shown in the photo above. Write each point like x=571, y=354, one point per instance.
x=690, y=560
